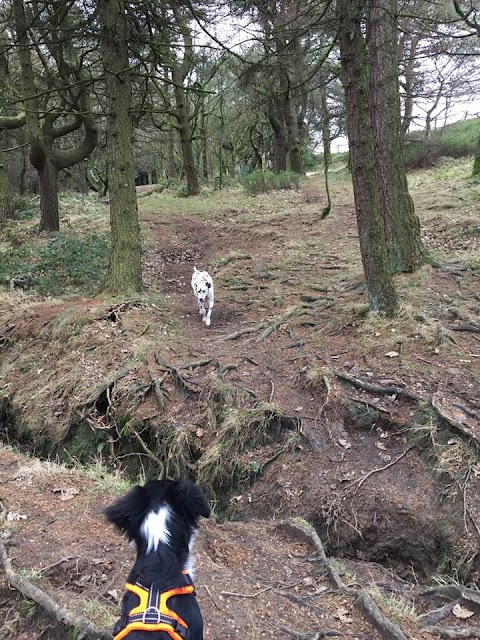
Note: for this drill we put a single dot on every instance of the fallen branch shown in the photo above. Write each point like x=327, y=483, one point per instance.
x=84, y=627
x=377, y=388
x=386, y=628
x=455, y=632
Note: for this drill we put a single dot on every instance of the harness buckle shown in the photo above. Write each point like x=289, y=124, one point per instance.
x=151, y=615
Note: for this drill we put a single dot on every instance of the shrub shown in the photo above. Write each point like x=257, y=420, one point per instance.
x=24, y=207
x=258, y=182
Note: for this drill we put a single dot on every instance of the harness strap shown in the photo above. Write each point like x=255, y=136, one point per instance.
x=153, y=613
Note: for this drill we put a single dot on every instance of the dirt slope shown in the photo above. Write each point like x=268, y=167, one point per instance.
x=295, y=402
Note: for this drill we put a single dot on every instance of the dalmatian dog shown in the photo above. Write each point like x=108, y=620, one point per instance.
x=202, y=285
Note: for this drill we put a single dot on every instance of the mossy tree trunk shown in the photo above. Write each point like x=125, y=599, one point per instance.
x=125, y=270
x=6, y=195
x=476, y=161
x=401, y=224
x=41, y=119
x=381, y=292
x=180, y=71
x=280, y=142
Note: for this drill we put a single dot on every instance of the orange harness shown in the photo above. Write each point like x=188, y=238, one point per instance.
x=152, y=613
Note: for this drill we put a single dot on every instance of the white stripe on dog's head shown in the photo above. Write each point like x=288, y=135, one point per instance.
x=155, y=528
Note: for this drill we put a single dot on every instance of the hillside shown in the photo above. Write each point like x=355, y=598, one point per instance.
x=296, y=402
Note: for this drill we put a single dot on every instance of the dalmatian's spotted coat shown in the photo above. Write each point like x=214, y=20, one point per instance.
x=202, y=285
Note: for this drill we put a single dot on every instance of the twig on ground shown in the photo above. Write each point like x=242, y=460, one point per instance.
x=272, y=392
x=234, y=594
x=85, y=628
x=212, y=598
x=370, y=473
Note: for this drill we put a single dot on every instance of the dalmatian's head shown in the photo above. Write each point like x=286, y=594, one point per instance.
x=201, y=290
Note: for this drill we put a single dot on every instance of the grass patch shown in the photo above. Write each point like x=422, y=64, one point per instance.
x=62, y=262
x=256, y=182
x=398, y=608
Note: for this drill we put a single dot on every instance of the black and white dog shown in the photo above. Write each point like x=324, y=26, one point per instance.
x=202, y=285
x=161, y=518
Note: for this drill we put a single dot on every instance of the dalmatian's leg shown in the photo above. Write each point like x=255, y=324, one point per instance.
x=210, y=307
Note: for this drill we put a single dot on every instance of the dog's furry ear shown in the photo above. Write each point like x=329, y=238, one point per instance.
x=127, y=514
x=189, y=497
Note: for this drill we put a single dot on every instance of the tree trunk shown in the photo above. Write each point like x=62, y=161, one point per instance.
x=125, y=270
x=6, y=199
x=401, y=225
x=280, y=144
x=325, y=115
x=48, y=190
x=293, y=144
x=409, y=73
x=171, y=168
x=204, y=135
x=381, y=292
x=185, y=133
x=476, y=161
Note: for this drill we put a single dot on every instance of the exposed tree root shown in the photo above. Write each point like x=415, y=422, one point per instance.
x=103, y=389
x=377, y=388
x=269, y=326
x=386, y=628
x=455, y=632
x=453, y=417
x=304, y=530
x=247, y=330
x=469, y=328
x=83, y=626
x=432, y=617
x=454, y=592
x=364, y=601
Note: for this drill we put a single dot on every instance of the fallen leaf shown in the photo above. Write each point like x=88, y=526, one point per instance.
x=344, y=443
x=381, y=446
x=392, y=354
x=200, y=432
x=461, y=612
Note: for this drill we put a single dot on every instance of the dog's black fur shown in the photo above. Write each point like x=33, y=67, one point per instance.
x=184, y=502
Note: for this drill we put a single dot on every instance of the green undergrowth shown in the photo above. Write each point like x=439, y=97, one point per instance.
x=64, y=261
x=257, y=182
